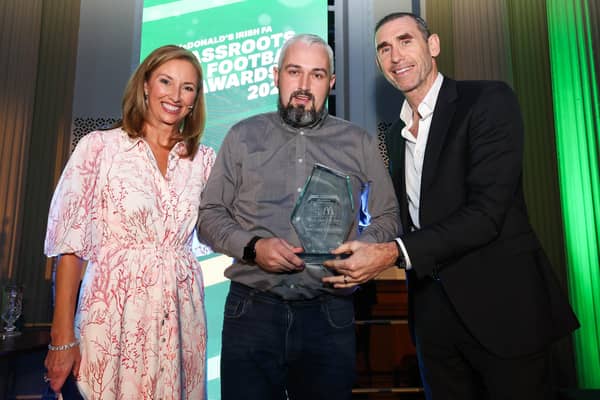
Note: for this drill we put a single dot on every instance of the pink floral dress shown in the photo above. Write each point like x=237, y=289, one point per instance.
x=141, y=307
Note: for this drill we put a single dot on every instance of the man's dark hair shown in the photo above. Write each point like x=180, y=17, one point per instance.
x=421, y=24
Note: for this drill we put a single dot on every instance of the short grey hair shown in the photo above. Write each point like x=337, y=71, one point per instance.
x=309, y=39
x=421, y=24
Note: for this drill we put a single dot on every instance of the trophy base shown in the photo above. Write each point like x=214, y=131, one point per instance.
x=320, y=258
x=7, y=334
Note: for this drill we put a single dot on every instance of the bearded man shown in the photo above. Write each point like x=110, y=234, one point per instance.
x=285, y=332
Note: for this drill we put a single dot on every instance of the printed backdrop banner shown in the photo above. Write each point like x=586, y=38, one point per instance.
x=237, y=43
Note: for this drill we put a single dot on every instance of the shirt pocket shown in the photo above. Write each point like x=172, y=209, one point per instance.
x=261, y=181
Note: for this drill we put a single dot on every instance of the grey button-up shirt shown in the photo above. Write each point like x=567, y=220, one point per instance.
x=258, y=175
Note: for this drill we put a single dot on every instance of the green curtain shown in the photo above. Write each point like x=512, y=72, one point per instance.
x=577, y=119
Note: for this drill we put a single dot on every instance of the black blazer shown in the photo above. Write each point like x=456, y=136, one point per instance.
x=475, y=232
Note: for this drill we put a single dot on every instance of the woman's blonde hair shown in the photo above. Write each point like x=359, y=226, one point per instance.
x=134, y=106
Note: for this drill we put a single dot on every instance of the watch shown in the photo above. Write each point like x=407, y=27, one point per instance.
x=250, y=249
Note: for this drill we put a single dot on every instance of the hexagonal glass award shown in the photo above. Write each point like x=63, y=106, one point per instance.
x=323, y=214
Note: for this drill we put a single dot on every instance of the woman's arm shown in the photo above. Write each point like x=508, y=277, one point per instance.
x=60, y=363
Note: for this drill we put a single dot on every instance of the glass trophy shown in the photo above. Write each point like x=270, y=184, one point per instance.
x=323, y=214
x=12, y=303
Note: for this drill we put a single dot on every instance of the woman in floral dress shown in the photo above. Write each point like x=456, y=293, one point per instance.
x=127, y=204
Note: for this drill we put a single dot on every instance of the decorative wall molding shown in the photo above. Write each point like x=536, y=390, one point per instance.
x=84, y=125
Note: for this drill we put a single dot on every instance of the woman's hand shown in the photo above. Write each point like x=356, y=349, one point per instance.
x=61, y=363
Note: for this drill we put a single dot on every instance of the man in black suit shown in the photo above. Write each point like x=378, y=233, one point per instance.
x=485, y=305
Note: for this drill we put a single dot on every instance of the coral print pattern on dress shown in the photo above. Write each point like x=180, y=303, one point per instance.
x=142, y=309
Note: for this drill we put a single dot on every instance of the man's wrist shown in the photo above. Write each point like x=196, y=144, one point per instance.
x=249, y=254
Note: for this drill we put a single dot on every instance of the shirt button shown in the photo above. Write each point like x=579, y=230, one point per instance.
x=302, y=133
x=300, y=160
x=163, y=340
x=299, y=190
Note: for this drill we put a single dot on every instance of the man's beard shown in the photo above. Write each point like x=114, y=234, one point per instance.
x=299, y=116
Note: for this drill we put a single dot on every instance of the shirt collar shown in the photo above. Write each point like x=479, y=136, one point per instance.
x=129, y=143
x=425, y=109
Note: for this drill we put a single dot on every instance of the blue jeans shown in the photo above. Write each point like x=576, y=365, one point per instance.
x=277, y=349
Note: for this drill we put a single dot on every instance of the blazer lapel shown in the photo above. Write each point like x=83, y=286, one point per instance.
x=440, y=125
